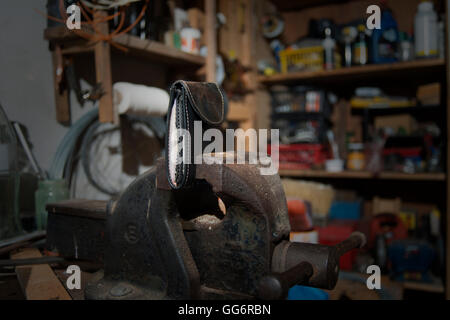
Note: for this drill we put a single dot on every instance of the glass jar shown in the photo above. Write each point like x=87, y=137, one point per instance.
x=49, y=191
x=356, y=157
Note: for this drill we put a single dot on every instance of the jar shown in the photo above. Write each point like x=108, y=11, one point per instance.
x=356, y=158
x=190, y=40
x=49, y=191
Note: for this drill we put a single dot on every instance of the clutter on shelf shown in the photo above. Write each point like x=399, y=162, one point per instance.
x=404, y=239
x=329, y=45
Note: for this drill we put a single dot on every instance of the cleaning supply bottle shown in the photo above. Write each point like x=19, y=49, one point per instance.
x=426, y=31
x=360, y=52
x=349, y=35
x=384, y=41
x=329, y=45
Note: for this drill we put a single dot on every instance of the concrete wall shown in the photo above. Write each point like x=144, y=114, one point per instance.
x=26, y=81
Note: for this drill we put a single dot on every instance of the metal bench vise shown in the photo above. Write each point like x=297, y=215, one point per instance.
x=224, y=237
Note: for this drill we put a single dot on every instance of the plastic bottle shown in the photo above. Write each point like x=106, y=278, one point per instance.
x=348, y=36
x=426, y=31
x=329, y=45
x=406, y=52
x=384, y=41
x=360, y=52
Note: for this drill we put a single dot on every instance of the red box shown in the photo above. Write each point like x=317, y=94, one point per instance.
x=335, y=232
x=300, y=156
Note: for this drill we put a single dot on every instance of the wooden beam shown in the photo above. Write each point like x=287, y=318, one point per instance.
x=154, y=51
x=211, y=40
x=61, y=93
x=238, y=112
x=103, y=74
x=38, y=282
x=447, y=220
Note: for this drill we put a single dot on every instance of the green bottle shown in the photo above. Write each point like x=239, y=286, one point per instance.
x=49, y=191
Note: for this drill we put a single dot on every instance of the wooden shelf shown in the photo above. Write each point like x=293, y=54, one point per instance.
x=152, y=50
x=362, y=175
x=292, y=5
x=435, y=287
x=426, y=68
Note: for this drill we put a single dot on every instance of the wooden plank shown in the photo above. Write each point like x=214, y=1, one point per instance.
x=363, y=175
x=149, y=49
x=103, y=75
x=413, y=177
x=61, y=94
x=431, y=66
x=157, y=51
x=436, y=286
x=38, y=282
x=61, y=33
x=211, y=40
x=326, y=174
x=238, y=112
x=447, y=223
x=288, y=5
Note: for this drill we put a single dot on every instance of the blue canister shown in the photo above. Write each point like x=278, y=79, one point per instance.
x=384, y=41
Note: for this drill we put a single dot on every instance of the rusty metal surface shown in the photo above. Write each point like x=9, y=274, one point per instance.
x=239, y=246
x=236, y=248
x=323, y=259
x=184, y=244
x=147, y=256
x=243, y=183
x=76, y=229
x=276, y=286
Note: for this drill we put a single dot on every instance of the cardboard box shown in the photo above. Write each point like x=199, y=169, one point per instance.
x=403, y=121
x=429, y=94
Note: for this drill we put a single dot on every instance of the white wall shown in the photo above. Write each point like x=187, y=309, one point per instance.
x=26, y=81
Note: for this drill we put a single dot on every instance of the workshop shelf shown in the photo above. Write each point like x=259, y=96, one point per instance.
x=427, y=68
x=363, y=175
x=152, y=50
x=289, y=5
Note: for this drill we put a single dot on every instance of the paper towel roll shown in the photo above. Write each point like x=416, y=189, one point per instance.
x=140, y=99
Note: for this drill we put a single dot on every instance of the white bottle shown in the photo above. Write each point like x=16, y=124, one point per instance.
x=426, y=31
x=328, y=45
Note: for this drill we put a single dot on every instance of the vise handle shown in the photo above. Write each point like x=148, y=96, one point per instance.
x=276, y=285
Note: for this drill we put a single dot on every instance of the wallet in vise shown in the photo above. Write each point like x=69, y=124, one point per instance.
x=189, y=102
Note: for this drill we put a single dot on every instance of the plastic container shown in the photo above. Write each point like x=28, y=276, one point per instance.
x=426, y=31
x=334, y=165
x=329, y=45
x=310, y=59
x=360, y=52
x=190, y=40
x=384, y=41
x=49, y=191
x=406, y=52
